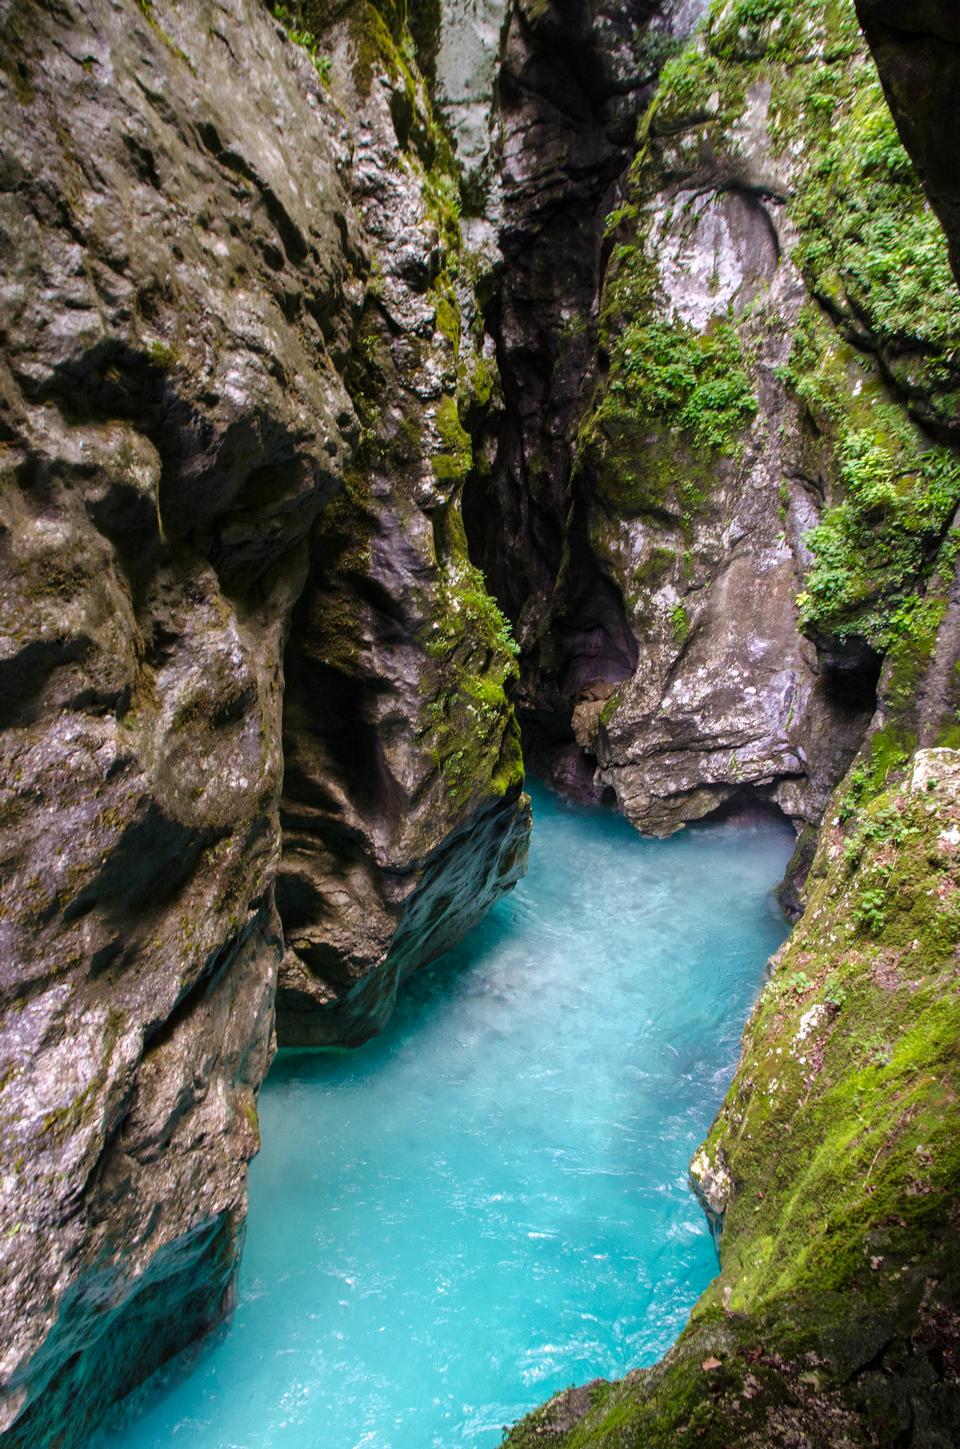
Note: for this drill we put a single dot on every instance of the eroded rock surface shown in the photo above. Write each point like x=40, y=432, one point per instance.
x=231, y=332
x=573, y=78
x=402, y=810
x=775, y=305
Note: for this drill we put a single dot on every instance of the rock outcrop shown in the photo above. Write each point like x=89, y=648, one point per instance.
x=751, y=338
x=402, y=810
x=241, y=363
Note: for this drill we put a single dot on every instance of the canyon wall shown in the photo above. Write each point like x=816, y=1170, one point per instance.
x=246, y=658
x=692, y=456
x=314, y=322
x=830, y=1174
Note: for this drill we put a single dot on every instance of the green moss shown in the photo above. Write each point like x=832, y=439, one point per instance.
x=867, y=232
x=610, y=707
x=839, y=1137
x=870, y=249
x=896, y=494
x=163, y=355
x=673, y=400
x=147, y=10
x=453, y=463
x=889, y=749
x=693, y=382
x=470, y=725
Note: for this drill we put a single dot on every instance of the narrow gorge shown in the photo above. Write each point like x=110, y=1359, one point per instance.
x=396, y=395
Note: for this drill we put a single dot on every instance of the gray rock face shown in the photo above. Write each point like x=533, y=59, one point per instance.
x=706, y=545
x=467, y=65
x=190, y=221
x=402, y=813
x=659, y=555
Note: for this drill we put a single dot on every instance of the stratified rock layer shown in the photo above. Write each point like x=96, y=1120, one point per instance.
x=205, y=249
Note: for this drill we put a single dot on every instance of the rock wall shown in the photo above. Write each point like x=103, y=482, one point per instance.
x=402, y=810
x=830, y=1173
x=685, y=434
x=573, y=77
x=241, y=365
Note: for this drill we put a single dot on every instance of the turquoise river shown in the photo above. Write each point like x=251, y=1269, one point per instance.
x=489, y=1201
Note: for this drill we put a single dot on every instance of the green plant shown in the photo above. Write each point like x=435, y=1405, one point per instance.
x=694, y=382
x=680, y=620
x=322, y=64
x=869, y=910
x=834, y=993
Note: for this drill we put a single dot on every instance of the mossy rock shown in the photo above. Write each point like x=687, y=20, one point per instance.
x=835, y=1162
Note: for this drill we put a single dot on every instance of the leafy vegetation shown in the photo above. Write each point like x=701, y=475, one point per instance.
x=896, y=493
x=693, y=382
x=306, y=39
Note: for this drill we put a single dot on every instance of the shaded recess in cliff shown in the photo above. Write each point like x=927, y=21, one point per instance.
x=572, y=80
x=402, y=810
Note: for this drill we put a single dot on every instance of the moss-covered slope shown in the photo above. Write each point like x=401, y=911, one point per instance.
x=835, y=1166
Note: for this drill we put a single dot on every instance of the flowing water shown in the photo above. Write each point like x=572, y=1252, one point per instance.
x=489, y=1202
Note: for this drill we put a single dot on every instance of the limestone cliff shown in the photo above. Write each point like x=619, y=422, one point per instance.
x=242, y=360
x=777, y=333
x=400, y=812
x=831, y=1172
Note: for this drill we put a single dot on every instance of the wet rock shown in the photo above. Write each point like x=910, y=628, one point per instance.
x=402, y=810
x=572, y=80
x=214, y=273
x=677, y=532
